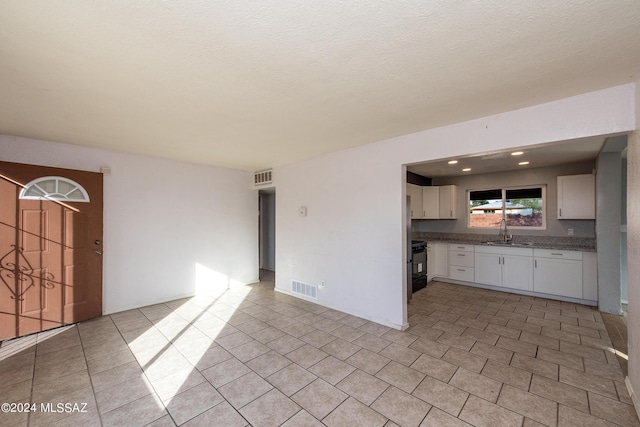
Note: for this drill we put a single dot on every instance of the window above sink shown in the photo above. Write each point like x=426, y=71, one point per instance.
x=520, y=207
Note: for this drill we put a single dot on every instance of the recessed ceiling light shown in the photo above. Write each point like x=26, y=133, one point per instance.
x=452, y=162
x=523, y=163
x=517, y=153
x=466, y=169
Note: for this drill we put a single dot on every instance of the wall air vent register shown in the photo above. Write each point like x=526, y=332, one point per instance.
x=263, y=177
x=305, y=289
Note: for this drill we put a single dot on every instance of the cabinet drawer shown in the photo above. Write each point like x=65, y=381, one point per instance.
x=462, y=273
x=461, y=247
x=559, y=254
x=462, y=259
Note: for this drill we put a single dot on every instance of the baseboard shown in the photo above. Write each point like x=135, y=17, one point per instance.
x=634, y=398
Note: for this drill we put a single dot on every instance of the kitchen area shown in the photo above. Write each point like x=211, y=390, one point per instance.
x=548, y=221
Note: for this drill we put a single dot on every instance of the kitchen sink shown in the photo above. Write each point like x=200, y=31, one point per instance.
x=499, y=243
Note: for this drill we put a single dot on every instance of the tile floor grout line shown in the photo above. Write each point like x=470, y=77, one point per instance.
x=82, y=344
x=439, y=304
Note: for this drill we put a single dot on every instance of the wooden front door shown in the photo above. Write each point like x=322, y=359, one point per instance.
x=50, y=248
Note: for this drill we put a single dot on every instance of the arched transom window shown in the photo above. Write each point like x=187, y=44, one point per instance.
x=54, y=188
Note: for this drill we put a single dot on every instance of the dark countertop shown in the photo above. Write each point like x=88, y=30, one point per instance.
x=584, y=244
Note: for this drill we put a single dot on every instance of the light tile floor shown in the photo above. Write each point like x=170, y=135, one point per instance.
x=256, y=357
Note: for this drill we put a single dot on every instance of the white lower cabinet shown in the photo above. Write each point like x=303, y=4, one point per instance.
x=431, y=262
x=488, y=268
x=590, y=276
x=571, y=274
x=441, y=259
x=461, y=262
x=517, y=272
x=558, y=272
x=507, y=267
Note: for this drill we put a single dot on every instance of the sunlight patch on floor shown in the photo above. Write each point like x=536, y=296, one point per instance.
x=187, y=333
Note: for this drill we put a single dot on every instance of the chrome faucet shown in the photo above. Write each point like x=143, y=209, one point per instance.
x=504, y=236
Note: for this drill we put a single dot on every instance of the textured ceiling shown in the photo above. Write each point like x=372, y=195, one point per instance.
x=257, y=84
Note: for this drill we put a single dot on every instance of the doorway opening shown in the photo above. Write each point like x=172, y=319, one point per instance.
x=267, y=234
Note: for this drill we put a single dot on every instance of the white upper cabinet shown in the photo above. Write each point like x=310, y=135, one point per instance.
x=415, y=191
x=448, y=197
x=577, y=197
x=431, y=202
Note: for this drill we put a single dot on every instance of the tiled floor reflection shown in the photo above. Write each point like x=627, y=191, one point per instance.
x=256, y=357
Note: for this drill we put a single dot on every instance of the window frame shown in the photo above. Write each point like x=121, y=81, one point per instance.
x=542, y=187
x=47, y=195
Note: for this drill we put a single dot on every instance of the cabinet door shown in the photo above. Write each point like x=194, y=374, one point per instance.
x=517, y=272
x=558, y=277
x=415, y=191
x=431, y=262
x=431, y=202
x=441, y=255
x=576, y=197
x=590, y=276
x=488, y=269
x=448, y=205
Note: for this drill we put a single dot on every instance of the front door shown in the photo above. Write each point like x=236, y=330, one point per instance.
x=50, y=248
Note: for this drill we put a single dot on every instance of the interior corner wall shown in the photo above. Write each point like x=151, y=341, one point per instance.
x=170, y=228
x=352, y=236
x=633, y=253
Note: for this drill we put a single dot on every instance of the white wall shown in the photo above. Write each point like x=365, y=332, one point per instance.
x=163, y=221
x=353, y=235
x=633, y=254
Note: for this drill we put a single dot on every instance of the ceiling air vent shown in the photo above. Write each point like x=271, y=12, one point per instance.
x=262, y=177
x=305, y=289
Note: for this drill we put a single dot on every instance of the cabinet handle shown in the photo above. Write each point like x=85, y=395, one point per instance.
x=557, y=254
x=461, y=255
x=535, y=263
x=461, y=269
x=450, y=214
x=499, y=261
x=560, y=212
x=502, y=260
